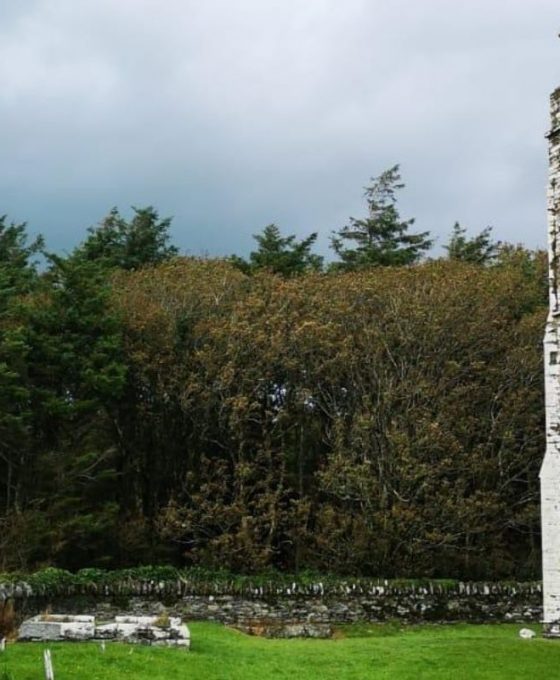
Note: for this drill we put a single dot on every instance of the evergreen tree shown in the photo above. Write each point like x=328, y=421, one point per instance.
x=77, y=373
x=18, y=276
x=116, y=242
x=479, y=249
x=17, y=268
x=382, y=238
x=283, y=255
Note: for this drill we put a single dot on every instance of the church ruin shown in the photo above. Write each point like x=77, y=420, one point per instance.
x=550, y=471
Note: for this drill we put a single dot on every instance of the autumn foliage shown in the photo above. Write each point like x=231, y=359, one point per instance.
x=383, y=422
x=387, y=422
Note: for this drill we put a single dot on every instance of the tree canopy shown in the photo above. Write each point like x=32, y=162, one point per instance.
x=386, y=421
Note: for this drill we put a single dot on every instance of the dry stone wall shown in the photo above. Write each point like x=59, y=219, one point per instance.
x=473, y=602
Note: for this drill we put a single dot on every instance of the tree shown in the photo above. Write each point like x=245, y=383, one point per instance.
x=116, y=242
x=479, y=249
x=17, y=268
x=282, y=255
x=76, y=374
x=385, y=421
x=18, y=277
x=382, y=238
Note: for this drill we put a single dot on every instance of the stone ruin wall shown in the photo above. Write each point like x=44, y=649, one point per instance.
x=553, y=201
x=550, y=471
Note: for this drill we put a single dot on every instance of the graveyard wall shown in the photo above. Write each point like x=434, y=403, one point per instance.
x=432, y=602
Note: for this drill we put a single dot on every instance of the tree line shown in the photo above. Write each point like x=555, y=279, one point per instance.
x=381, y=416
x=382, y=238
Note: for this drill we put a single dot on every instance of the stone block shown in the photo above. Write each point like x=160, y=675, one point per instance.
x=37, y=630
x=57, y=627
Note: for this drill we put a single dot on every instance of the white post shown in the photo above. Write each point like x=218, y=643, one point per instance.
x=2, y=644
x=47, y=662
x=550, y=470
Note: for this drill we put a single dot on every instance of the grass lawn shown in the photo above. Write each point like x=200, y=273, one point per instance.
x=366, y=651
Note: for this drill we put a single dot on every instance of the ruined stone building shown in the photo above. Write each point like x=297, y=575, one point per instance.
x=550, y=471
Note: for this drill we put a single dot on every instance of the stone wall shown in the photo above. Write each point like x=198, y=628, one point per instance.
x=475, y=602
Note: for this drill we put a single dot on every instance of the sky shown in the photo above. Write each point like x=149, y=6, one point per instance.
x=229, y=115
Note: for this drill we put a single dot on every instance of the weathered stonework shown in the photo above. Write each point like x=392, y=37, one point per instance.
x=550, y=470
x=147, y=630
x=57, y=627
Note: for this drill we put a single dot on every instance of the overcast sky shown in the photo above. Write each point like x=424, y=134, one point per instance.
x=231, y=114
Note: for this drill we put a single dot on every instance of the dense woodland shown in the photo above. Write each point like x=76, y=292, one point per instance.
x=378, y=415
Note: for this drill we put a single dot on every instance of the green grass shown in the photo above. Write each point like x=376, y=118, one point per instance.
x=367, y=651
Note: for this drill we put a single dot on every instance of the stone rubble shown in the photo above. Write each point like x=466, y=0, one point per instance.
x=275, y=629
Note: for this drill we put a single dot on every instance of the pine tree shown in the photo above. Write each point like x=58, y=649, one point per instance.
x=116, y=242
x=283, y=255
x=382, y=238
x=18, y=277
x=479, y=249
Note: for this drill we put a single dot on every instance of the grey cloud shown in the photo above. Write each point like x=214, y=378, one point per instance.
x=232, y=114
